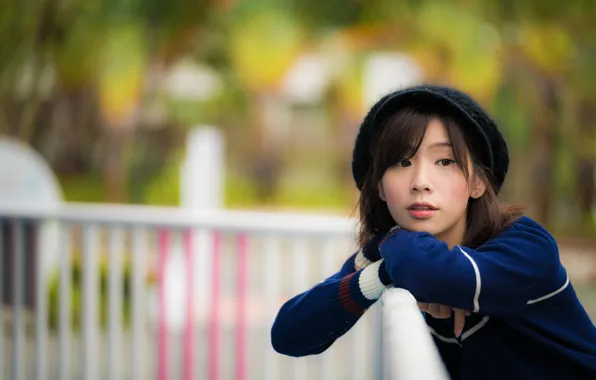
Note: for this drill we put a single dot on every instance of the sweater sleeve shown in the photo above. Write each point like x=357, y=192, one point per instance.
x=502, y=277
x=310, y=322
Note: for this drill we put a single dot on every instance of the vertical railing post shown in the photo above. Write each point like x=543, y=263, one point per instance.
x=300, y=282
x=3, y=241
x=241, y=293
x=377, y=346
x=64, y=310
x=115, y=289
x=271, y=285
x=189, y=332
x=139, y=254
x=90, y=302
x=215, y=312
x=328, y=268
x=18, y=292
x=41, y=314
x=162, y=331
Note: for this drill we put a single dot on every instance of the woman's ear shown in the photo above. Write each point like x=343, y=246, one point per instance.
x=478, y=188
x=381, y=191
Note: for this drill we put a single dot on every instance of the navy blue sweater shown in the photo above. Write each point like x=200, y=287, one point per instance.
x=527, y=322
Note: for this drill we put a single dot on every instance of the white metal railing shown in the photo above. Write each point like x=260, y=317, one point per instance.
x=409, y=350
x=226, y=221
x=199, y=299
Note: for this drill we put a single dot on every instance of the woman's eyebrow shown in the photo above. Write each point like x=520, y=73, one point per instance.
x=441, y=144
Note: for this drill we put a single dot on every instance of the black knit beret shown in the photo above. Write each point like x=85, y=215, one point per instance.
x=477, y=124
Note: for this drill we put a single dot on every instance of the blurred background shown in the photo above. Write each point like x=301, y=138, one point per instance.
x=106, y=91
x=109, y=93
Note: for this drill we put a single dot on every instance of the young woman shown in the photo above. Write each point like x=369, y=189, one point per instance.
x=429, y=163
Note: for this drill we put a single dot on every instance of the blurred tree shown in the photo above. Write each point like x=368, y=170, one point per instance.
x=263, y=44
x=468, y=56
x=522, y=50
x=71, y=71
x=76, y=77
x=548, y=48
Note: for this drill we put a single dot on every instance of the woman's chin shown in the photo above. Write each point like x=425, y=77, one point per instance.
x=417, y=226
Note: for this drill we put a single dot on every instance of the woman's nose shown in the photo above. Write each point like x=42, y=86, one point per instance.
x=421, y=182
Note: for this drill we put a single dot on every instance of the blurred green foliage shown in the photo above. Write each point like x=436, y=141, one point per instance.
x=76, y=297
x=85, y=82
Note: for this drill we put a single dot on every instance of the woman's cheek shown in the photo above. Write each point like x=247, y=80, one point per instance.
x=459, y=189
x=393, y=194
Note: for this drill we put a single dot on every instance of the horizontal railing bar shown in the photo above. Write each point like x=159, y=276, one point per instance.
x=173, y=217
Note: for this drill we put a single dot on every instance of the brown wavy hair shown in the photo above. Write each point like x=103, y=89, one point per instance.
x=399, y=138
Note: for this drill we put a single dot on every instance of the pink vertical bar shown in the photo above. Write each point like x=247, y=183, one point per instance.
x=241, y=309
x=189, y=328
x=162, y=337
x=214, y=314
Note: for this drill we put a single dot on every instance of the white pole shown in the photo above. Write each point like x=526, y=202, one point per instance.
x=203, y=170
x=202, y=189
x=410, y=352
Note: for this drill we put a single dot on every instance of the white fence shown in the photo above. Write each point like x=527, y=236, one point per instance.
x=160, y=293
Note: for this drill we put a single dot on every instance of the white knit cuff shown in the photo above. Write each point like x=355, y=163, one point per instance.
x=370, y=283
x=360, y=261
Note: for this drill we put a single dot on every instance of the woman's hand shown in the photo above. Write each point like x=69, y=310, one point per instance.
x=443, y=312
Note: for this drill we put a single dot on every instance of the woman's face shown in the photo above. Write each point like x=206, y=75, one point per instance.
x=429, y=191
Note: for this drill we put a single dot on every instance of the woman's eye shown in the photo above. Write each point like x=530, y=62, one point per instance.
x=404, y=163
x=445, y=162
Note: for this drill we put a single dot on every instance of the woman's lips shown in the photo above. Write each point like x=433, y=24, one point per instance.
x=421, y=213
